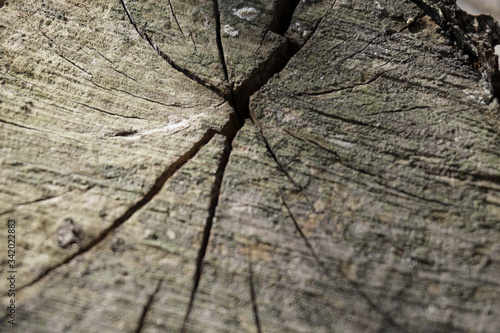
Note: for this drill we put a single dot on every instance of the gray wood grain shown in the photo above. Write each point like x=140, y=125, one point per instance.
x=257, y=166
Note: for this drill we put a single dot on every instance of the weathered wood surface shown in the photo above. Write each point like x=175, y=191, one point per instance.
x=357, y=191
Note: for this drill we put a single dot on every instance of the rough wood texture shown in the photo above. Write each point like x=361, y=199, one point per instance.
x=257, y=166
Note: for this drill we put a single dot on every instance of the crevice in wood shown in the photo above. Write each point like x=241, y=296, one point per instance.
x=329, y=151
x=167, y=58
x=230, y=133
x=125, y=133
x=488, y=177
x=261, y=75
x=17, y=125
x=239, y=98
x=132, y=19
x=153, y=191
x=253, y=294
x=283, y=13
x=218, y=39
x=275, y=63
x=147, y=306
x=344, y=119
x=281, y=166
x=413, y=108
x=315, y=28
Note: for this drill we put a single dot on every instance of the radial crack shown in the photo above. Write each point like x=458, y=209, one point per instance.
x=253, y=294
x=148, y=304
x=17, y=125
x=315, y=28
x=132, y=19
x=219, y=39
x=332, y=152
x=153, y=191
x=209, y=222
x=298, y=188
x=175, y=17
x=278, y=162
x=418, y=107
x=303, y=236
x=169, y=60
x=351, y=86
x=108, y=60
x=326, y=271
x=283, y=14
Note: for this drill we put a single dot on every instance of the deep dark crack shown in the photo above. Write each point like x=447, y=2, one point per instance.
x=220, y=48
x=239, y=100
x=283, y=14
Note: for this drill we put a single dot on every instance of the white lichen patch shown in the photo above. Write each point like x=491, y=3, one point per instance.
x=247, y=13
x=231, y=31
x=479, y=96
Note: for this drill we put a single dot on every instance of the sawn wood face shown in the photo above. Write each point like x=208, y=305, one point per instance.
x=250, y=166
